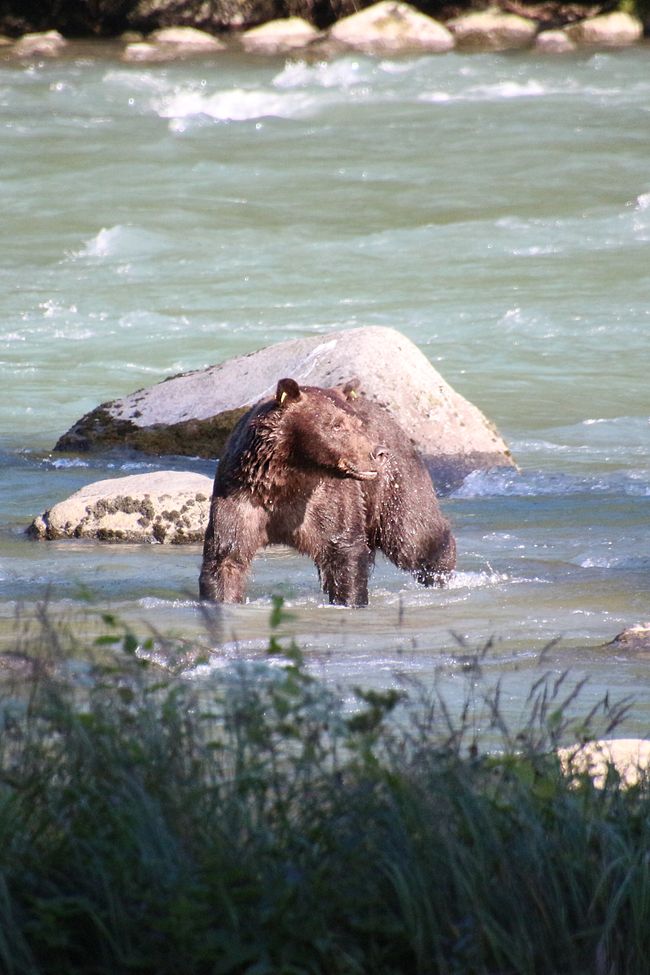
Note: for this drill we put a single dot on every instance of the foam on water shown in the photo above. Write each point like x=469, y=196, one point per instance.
x=123, y=241
x=235, y=105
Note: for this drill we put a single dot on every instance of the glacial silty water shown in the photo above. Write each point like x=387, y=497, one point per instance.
x=494, y=208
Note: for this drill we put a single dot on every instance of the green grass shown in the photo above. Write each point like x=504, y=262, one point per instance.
x=255, y=824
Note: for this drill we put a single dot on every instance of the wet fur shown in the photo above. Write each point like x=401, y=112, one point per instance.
x=332, y=475
x=290, y=474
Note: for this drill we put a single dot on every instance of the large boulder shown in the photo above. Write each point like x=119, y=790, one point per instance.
x=193, y=413
x=170, y=507
x=492, y=30
x=391, y=26
x=615, y=29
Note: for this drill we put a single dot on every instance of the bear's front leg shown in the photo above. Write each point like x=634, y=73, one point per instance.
x=234, y=534
x=344, y=571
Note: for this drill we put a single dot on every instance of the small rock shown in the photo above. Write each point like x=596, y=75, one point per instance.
x=169, y=43
x=279, y=36
x=170, y=507
x=44, y=44
x=186, y=37
x=554, y=42
x=615, y=29
x=635, y=637
x=492, y=30
x=142, y=51
x=392, y=26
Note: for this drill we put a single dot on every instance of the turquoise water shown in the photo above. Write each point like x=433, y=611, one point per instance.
x=494, y=208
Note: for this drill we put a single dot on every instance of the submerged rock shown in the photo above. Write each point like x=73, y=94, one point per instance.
x=170, y=507
x=615, y=29
x=392, y=26
x=194, y=413
x=280, y=36
x=492, y=30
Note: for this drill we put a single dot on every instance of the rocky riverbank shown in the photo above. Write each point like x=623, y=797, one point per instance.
x=160, y=30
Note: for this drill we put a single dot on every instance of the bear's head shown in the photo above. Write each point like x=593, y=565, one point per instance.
x=323, y=431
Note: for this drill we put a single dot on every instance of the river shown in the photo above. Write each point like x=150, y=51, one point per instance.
x=495, y=208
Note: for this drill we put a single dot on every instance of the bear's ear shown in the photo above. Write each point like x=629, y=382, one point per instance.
x=288, y=391
x=351, y=389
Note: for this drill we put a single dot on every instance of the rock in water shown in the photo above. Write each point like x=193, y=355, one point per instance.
x=392, y=26
x=170, y=507
x=193, y=414
x=492, y=30
x=280, y=36
x=635, y=638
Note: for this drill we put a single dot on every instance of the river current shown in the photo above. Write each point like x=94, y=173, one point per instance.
x=495, y=208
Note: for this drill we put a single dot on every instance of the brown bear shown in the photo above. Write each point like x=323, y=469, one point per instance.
x=308, y=468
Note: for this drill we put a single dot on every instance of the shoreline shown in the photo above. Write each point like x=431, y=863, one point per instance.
x=390, y=27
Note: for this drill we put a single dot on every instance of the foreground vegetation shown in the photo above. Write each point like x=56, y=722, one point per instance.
x=253, y=823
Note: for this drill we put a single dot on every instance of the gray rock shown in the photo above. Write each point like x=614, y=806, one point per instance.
x=193, y=413
x=170, y=507
x=492, y=30
x=615, y=29
x=392, y=26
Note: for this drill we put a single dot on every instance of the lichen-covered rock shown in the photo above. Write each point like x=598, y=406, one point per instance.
x=615, y=29
x=280, y=36
x=194, y=413
x=392, y=26
x=46, y=44
x=492, y=30
x=170, y=507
